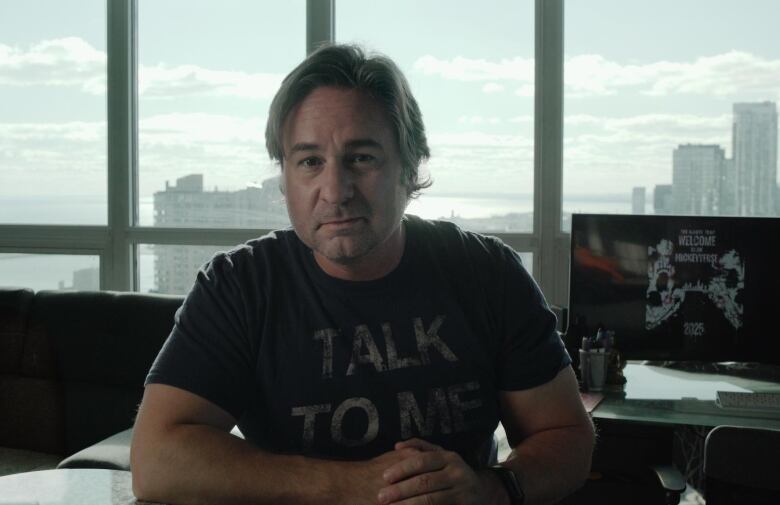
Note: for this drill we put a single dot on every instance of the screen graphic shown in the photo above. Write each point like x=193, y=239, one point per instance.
x=678, y=287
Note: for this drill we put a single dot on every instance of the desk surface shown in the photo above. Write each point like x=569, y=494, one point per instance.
x=60, y=487
x=666, y=396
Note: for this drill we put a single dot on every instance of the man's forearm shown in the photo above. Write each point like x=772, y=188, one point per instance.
x=552, y=464
x=197, y=464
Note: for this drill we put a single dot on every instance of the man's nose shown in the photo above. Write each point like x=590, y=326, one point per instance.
x=337, y=183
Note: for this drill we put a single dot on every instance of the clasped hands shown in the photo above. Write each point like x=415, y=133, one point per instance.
x=421, y=473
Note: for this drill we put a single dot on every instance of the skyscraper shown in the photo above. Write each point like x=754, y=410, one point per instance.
x=754, y=136
x=638, y=200
x=697, y=171
x=186, y=204
x=728, y=189
x=662, y=199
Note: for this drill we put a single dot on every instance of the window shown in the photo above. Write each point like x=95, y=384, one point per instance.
x=171, y=269
x=470, y=66
x=53, y=112
x=187, y=163
x=50, y=271
x=673, y=114
x=203, y=99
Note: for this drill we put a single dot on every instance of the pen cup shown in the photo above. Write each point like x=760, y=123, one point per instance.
x=597, y=363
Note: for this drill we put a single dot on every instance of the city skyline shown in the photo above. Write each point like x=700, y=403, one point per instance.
x=707, y=182
x=203, y=97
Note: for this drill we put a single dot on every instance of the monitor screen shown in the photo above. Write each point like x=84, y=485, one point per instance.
x=678, y=287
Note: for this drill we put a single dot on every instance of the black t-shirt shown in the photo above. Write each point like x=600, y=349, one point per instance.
x=310, y=364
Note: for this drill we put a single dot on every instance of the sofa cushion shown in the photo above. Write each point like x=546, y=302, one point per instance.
x=104, y=337
x=113, y=453
x=98, y=347
x=15, y=306
x=18, y=461
x=32, y=414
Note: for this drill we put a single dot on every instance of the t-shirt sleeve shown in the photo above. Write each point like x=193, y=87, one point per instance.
x=208, y=352
x=531, y=352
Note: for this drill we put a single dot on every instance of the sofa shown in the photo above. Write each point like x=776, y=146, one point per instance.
x=72, y=368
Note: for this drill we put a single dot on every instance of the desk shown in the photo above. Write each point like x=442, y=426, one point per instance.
x=657, y=395
x=68, y=487
x=663, y=415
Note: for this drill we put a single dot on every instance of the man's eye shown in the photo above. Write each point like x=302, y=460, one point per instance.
x=363, y=158
x=310, y=162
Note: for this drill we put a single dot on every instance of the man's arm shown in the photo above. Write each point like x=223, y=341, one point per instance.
x=552, y=438
x=183, y=452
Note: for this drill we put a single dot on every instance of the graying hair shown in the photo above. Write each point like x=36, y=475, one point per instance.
x=348, y=66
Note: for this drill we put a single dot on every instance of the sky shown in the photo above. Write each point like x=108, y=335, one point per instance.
x=640, y=79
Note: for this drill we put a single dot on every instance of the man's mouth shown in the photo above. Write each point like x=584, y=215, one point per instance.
x=341, y=223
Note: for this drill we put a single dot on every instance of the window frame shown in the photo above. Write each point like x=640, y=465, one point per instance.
x=117, y=242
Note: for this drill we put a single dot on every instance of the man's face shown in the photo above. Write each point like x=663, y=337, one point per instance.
x=342, y=177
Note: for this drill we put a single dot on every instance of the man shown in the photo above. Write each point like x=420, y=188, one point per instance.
x=367, y=356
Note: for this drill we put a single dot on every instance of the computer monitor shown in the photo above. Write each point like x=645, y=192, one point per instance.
x=683, y=288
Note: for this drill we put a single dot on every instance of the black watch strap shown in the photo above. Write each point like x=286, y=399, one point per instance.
x=511, y=484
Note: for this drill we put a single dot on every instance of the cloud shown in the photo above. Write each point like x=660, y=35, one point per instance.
x=674, y=125
x=196, y=128
x=73, y=62
x=162, y=81
x=70, y=157
x=466, y=69
x=476, y=138
x=526, y=90
x=478, y=120
x=73, y=131
x=522, y=119
x=69, y=61
x=586, y=75
x=613, y=154
x=52, y=158
x=719, y=75
x=492, y=87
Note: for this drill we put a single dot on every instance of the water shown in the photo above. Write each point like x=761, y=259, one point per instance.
x=50, y=271
x=92, y=209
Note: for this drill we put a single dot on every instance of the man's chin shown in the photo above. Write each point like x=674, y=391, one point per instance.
x=344, y=250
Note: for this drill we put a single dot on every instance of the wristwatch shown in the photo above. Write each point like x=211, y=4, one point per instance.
x=512, y=486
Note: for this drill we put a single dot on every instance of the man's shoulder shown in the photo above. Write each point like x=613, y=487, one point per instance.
x=272, y=242
x=275, y=246
x=445, y=234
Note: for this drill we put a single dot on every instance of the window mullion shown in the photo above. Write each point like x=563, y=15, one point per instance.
x=121, y=44
x=320, y=23
x=548, y=148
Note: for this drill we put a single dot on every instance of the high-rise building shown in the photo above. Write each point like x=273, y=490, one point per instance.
x=697, y=171
x=638, y=200
x=728, y=189
x=754, y=136
x=84, y=279
x=662, y=199
x=186, y=204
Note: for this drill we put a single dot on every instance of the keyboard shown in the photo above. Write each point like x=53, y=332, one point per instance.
x=758, y=402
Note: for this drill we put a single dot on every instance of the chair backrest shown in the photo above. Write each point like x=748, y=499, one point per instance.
x=741, y=465
x=73, y=364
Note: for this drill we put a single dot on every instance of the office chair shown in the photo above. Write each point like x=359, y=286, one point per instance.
x=741, y=466
x=659, y=485
x=632, y=464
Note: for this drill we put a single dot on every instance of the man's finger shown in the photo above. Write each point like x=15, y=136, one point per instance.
x=430, y=484
x=417, y=443
x=420, y=463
